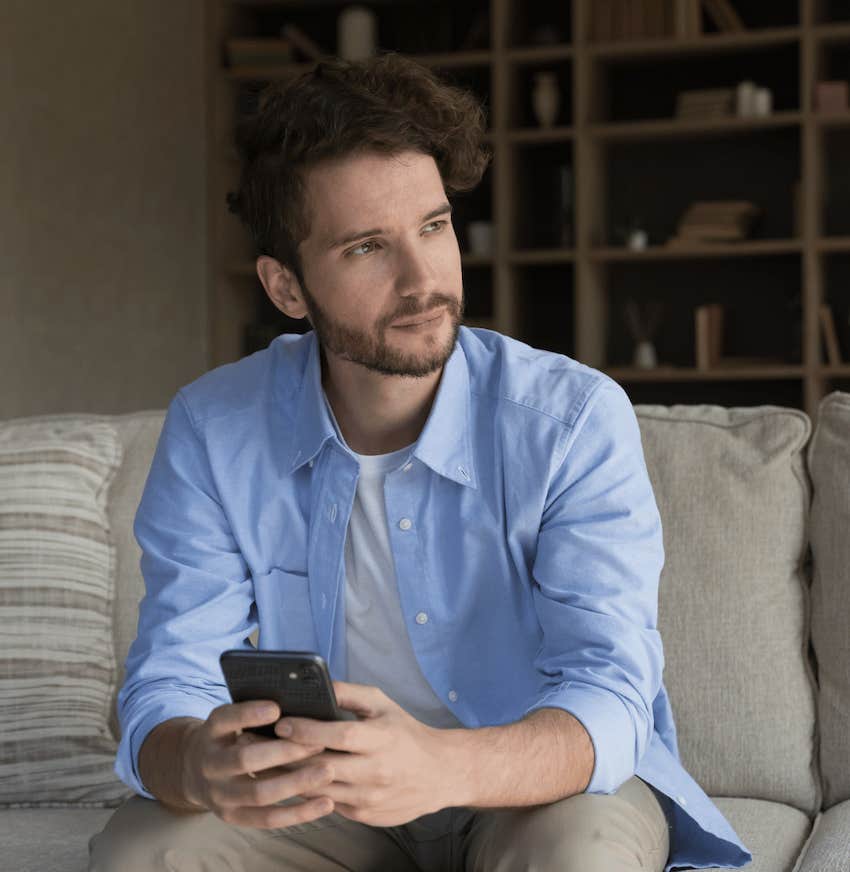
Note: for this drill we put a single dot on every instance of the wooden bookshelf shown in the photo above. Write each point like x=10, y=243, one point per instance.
x=621, y=140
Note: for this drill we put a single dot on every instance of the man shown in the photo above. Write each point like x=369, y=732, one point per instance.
x=461, y=525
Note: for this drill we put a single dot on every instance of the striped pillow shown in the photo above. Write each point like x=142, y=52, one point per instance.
x=57, y=564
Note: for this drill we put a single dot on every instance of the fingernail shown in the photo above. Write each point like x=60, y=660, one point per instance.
x=284, y=729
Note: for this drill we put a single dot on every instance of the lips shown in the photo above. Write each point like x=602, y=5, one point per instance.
x=421, y=320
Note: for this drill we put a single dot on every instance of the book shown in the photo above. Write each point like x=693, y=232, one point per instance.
x=724, y=15
x=709, y=335
x=830, y=335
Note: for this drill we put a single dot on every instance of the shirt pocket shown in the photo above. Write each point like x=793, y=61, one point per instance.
x=284, y=611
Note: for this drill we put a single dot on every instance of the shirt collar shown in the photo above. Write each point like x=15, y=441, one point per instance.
x=444, y=444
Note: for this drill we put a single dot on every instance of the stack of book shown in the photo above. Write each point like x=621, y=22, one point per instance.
x=705, y=103
x=715, y=221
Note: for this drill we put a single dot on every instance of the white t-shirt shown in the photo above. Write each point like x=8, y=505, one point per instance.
x=378, y=645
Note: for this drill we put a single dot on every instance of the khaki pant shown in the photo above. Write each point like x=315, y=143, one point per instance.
x=584, y=833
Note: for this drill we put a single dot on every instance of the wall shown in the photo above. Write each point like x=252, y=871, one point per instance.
x=103, y=261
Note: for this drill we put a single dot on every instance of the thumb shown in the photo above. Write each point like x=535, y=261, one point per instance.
x=362, y=699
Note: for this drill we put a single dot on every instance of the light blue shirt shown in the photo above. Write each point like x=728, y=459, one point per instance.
x=524, y=530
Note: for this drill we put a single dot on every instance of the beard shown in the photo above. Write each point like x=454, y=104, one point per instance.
x=370, y=349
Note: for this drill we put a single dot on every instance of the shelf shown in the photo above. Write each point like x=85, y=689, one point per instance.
x=541, y=255
x=833, y=243
x=710, y=44
x=831, y=119
x=842, y=371
x=673, y=128
x=454, y=59
x=675, y=374
x=538, y=134
x=539, y=54
x=829, y=33
x=750, y=248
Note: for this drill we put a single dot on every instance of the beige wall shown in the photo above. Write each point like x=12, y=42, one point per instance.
x=103, y=263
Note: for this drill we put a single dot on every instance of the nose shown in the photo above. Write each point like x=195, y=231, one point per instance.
x=416, y=272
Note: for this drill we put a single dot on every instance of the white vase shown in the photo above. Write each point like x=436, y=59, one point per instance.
x=645, y=356
x=545, y=98
x=356, y=33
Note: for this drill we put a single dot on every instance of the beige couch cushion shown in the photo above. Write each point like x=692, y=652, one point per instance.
x=57, y=567
x=139, y=433
x=734, y=497
x=829, y=462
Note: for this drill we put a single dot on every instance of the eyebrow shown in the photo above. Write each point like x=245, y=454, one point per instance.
x=442, y=209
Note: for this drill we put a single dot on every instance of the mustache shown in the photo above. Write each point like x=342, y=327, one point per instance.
x=453, y=306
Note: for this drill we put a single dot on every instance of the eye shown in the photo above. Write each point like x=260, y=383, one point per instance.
x=439, y=224
x=358, y=247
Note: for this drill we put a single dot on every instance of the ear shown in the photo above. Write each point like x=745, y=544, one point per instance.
x=282, y=286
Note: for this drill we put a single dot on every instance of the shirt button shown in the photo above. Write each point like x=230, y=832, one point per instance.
x=422, y=618
x=405, y=523
x=453, y=695
x=407, y=467
x=310, y=464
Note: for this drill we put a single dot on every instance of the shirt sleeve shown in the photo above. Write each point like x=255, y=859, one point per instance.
x=199, y=594
x=596, y=572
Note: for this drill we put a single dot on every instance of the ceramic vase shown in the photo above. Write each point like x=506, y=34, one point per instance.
x=356, y=36
x=545, y=98
x=645, y=356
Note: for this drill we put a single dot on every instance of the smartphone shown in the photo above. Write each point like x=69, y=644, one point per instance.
x=298, y=681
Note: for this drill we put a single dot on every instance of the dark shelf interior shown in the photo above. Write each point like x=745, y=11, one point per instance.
x=766, y=321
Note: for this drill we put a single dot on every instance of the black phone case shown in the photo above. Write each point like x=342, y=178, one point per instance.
x=298, y=681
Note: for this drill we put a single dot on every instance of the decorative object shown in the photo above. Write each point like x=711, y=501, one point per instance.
x=762, y=102
x=632, y=234
x=642, y=330
x=479, y=234
x=357, y=28
x=830, y=335
x=831, y=96
x=546, y=98
x=746, y=95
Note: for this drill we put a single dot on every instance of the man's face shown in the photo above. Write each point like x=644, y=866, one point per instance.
x=382, y=250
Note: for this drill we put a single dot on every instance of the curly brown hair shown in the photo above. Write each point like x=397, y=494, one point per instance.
x=388, y=104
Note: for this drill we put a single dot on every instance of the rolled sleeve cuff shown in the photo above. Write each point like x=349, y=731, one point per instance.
x=609, y=726
x=127, y=759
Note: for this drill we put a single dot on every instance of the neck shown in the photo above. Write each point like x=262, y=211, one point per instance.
x=377, y=414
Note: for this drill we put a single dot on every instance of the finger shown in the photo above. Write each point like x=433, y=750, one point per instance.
x=278, y=817
x=267, y=789
x=363, y=699
x=352, y=736
x=231, y=717
x=258, y=756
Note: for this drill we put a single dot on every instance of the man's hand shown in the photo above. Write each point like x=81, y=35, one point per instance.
x=220, y=762
x=395, y=768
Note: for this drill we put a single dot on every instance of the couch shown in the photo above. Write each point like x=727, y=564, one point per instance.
x=754, y=611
